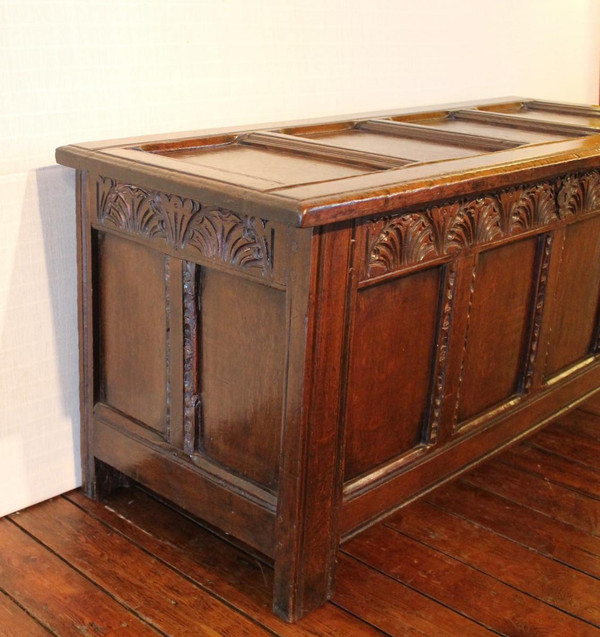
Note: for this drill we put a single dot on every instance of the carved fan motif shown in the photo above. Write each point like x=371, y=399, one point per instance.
x=441, y=219
x=529, y=207
x=175, y=214
x=130, y=208
x=476, y=222
x=462, y=224
x=225, y=236
x=402, y=240
x=570, y=196
x=579, y=193
x=591, y=189
x=215, y=233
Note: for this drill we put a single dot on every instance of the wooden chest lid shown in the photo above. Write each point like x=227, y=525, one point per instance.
x=320, y=172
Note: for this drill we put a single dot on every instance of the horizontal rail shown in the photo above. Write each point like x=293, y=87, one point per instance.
x=317, y=148
x=432, y=134
x=524, y=123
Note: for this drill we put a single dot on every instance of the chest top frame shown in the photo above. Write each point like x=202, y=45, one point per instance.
x=292, y=330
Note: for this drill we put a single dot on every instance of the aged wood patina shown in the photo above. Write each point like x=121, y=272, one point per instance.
x=292, y=330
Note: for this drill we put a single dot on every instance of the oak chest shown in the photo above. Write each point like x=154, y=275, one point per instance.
x=291, y=330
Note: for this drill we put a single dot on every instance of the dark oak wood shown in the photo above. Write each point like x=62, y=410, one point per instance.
x=292, y=331
x=419, y=131
x=593, y=407
x=583, y=423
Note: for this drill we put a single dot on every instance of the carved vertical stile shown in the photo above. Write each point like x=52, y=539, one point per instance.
x=190, y=358
x=464, y=348
x=441, y=363
x=168, y=347
x=538, y=312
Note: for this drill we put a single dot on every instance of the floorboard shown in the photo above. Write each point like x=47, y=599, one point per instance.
x=511, y=548
x=15, y=621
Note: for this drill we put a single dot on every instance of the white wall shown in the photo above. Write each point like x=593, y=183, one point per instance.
x=77, y=70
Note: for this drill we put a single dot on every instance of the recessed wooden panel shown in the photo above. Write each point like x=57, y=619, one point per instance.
x=574, y=323
x=391, y=361
x=396, y=146
x=498, y=326
x=133, y=330
x=242, y=374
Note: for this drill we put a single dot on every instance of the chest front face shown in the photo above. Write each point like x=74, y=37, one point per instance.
x=289, y=332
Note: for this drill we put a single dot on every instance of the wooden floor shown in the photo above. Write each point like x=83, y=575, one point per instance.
x=512, y=548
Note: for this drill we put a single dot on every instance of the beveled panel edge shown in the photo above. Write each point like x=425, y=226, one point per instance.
x=533, y=318
x=566, y=108
x=403, y=240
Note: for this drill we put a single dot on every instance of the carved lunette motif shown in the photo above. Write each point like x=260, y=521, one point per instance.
x=402, y=240
x=217, y=234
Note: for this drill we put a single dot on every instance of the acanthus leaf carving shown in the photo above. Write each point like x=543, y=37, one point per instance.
x=579, y=194
x=226, y=236
x=591, y=199
x=130, y=208
x=526, y=208
x=217, y=234
x=175, y=214
x=400, y=241
x=570, y=196
x=441, y=219
x=477, y=222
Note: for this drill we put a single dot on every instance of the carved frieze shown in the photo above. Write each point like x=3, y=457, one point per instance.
x=397, y=241
x=214, y=233
x=401, y=241
x=579, y=193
